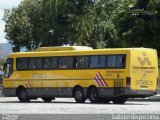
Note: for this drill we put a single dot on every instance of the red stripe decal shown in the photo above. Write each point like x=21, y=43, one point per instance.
x=97, y=81
x=100, y=80
x=29, y=84
x=101, y=85
x=103, y=79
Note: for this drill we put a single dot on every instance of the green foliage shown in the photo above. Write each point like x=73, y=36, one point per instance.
x=95, y=23
x=142, y=30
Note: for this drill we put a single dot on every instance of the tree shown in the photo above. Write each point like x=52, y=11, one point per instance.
x=84, y=22
x=141, y=30
x=19, y=25
x=95, y=23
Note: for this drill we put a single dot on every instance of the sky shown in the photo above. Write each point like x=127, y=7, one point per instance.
x=5, y=4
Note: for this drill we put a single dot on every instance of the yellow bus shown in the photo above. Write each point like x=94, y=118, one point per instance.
x=100, y=75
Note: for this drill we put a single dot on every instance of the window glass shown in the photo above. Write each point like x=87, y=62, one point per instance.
x=47, y=63
x=32, y=63
x=62, y=62
x=39, y=63
x=21, y=63
x=93, y=61
x=121, y=61
x=70, y=62
x=101, y=61
x=66, y=62
x=111, y=61
x=97, y=61
x=9, y=67
x=82, y=62
x=54, y=62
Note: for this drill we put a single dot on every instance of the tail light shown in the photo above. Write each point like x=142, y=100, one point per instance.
x=128, y=81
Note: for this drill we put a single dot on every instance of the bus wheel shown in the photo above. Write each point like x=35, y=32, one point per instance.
x=22, y=95
x=47, y=99
x=119, y=100
x=94, y=95
x=79, y=95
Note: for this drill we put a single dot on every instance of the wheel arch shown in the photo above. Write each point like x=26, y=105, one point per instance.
x=18, y=88
x=89, y=88
x=75, y=87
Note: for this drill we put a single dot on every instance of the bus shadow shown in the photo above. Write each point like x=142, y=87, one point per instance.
x=70, y=102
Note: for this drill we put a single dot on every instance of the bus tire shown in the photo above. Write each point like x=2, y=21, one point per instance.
x=119, y=100
x=47, y=99
x=79, y=95
x=22, y=95
x=94, y=95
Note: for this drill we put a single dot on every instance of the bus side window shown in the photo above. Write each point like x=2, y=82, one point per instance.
x=39, y=63
x=82, y=62
x=93, y=61
x=66, y=62
x=111, y=61
x=101, y=62
x=120, y=62
x=21, y=63
x=124, y=61
x=70, y=62
x=32, y=63
x=54, y=62
x=63, y=62
x=47, y=63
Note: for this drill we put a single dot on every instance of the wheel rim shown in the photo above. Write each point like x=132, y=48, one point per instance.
x=93, y=95
x=78, y=94
x=23, y=95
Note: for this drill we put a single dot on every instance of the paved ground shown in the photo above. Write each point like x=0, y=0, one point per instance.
x=68, y=106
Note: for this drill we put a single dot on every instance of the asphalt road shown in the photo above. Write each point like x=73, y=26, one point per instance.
x=69, y=106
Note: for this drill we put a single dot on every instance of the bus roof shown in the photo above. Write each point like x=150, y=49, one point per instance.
x=74, y=49
x=63, y=48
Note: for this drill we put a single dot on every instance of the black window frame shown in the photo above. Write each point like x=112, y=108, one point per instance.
x=74, y=67
x=28, y=58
